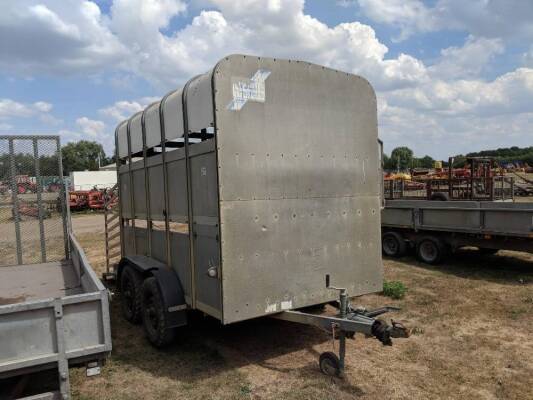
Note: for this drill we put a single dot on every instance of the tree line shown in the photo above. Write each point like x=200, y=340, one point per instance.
x=77, y=156
x=402, y=158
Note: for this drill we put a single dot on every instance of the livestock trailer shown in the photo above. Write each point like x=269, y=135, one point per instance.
x=54, y=311
x=434, y=228
x=244, y=193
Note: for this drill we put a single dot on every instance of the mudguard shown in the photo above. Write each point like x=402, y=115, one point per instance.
x=168, y=282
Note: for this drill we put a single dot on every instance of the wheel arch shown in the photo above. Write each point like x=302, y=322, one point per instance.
x=168, y=282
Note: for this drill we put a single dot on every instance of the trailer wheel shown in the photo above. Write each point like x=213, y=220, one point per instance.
x=430, y=250
x=130, y=294
x=329, y=364
x=153, y=315
x=393, y=244
x=440, y=196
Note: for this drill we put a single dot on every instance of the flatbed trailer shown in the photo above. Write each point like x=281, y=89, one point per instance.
x=54, y=311
x=434, y=228
x=244, y=193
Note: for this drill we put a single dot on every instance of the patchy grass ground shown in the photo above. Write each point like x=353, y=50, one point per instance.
x=472, y=319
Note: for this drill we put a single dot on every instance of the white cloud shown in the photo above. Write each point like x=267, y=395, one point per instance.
x=491, y=19
x=408, y=15
x=528, y=57
x=468, y=60
x=464, y=114
x=43, y=106
x=508, y=94
x=56, y=36
x=10, y=109
x=91, y=127
x=123, y=109
x=439, y=101
x=13, y=109
x=75, y=37
x=263, y=27
x=345, y=3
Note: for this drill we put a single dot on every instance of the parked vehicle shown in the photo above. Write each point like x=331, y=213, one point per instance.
x=478, y=180
x=434, y=229
x=232, y=202
x=54, y=311
x=25, y=184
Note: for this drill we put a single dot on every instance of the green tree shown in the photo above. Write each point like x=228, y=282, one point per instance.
x=81, y=156
x=386, y=162
x=426, y=162
x=402, y=157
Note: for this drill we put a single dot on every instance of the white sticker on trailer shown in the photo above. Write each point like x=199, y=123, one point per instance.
x=286, y=305
x=271, y=308
x=252, y=89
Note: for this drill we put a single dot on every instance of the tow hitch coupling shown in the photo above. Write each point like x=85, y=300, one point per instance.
x=344, y=325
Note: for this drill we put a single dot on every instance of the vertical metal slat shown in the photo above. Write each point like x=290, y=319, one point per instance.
x=63, y=196
x=14, y=196
x=39, y=200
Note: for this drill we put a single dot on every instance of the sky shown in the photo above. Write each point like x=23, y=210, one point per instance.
x=451, y=76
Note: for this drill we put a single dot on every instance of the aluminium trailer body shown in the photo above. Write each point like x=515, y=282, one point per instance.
x=54, y=311
x=241, y=192
x=434, y=228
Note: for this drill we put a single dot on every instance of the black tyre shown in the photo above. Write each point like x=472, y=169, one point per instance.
x=329, y=364
x=393, y=244
x=487, y=251
x=153, y=315
x=430, y=250
x=130, y=294
x=440, y=196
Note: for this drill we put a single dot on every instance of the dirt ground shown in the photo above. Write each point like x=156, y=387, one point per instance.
x=472, y=323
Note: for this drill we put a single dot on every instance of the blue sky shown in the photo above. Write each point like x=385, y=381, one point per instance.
x=450, y=76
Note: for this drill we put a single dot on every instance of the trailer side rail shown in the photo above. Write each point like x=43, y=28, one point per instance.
x=476, y=218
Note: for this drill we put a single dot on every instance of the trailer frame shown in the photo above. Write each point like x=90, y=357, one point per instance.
x=209, y=174
x=54, y=311
x=447, y=226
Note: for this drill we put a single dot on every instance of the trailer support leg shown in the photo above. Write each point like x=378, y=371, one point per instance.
x=342, y=351
x=62, y=361
x=343, y=328
x=346, y=323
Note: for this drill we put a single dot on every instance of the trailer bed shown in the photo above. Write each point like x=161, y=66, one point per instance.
x=474, y=217
x=22, y=283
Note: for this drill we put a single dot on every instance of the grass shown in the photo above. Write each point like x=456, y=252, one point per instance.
x=472, y=324
x=394, y=289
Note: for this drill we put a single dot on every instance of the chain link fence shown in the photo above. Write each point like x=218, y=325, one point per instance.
x=32, y=200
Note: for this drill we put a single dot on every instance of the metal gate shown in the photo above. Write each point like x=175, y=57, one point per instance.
x=33, y=214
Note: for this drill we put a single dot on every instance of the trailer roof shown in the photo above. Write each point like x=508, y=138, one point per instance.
x=195, y=101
